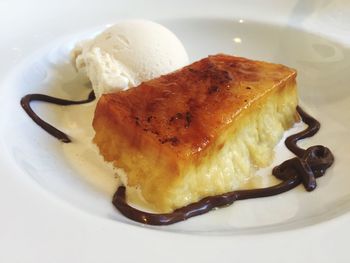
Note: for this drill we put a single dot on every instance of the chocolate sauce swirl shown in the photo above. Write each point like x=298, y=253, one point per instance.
x=308, y=165
x=25, y=103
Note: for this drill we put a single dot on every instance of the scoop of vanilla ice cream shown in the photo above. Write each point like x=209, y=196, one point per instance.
x=128, y=53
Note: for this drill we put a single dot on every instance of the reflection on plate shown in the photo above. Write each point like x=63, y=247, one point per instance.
x=76, y=173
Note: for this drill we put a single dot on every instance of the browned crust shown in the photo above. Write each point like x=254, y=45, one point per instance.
x=185, y=111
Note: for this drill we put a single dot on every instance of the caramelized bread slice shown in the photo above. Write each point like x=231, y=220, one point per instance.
x=200, y=131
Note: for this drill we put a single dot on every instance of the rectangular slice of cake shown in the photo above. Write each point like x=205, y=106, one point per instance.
x=200, y=131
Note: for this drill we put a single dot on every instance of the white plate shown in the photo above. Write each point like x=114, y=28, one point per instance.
x=55, y=198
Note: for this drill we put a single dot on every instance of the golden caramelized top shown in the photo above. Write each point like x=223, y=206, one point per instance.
x=185, y=110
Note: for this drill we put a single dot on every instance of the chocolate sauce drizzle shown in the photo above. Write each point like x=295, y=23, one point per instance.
x=308, y=165
x=25, y=103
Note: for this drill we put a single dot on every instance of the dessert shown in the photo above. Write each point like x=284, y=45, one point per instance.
x=128, y=53
x=197, y=132
x=188, y=141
